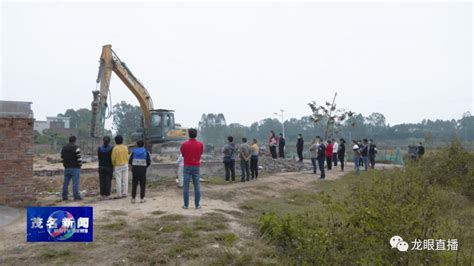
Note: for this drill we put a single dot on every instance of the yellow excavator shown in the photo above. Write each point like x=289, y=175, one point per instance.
x=158, y=125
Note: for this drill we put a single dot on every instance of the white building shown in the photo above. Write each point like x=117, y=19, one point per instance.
x=40, y=126
x=50, y=119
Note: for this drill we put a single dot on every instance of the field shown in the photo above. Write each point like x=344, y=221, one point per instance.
x=267, y=221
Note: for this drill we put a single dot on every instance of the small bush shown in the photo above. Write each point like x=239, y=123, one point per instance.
x=227, y=238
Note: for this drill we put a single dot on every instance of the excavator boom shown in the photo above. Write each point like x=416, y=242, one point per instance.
x=110, y=62
x=158, y=125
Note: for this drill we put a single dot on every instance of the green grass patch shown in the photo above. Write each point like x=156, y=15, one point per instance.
x=226, y=238
x=158, y=212
x=172, y=217
x=162, y=241
x=233, y=213
x=264, y=187
x=214, y=217
x=164, y=183
x=246, y=206
x=224, y=196
x=118, y=213
x=115, y=225
x=53, y=253
x=217, y=180
x=188, y=232
x=203, y=225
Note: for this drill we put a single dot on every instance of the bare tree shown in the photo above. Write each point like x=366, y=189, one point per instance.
x=330, y=115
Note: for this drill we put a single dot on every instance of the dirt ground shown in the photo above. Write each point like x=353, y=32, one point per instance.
x=163, y=201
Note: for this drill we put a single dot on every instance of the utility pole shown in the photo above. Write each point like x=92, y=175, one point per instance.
x=282, y=122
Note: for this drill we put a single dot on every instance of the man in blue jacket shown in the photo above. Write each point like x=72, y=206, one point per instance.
x=139, y=160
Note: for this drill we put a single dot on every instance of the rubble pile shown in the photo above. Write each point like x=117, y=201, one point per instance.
x=171, y=158
x=57, y=159
x=53, y=159
x=282, y=165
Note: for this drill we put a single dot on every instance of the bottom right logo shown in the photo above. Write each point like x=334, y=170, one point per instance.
x=397, y=242
x=426, y=244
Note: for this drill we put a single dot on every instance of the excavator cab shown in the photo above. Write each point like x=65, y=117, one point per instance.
x=161, y=122
x=162, y=128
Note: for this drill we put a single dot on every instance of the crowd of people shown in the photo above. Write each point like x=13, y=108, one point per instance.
x=416, y=152
x=248, y=155
x=274, y=142
x=326, y=154
x=115, y=162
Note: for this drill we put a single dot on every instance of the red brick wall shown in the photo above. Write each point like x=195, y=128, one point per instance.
x=16, y=161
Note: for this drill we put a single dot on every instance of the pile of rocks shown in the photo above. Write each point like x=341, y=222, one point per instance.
x=51, y=159
x=282, y=165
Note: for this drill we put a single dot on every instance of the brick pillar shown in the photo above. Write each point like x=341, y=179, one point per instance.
x=16, y=160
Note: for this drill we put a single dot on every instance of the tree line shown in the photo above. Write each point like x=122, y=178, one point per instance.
x=214, y=128
x=125, y=121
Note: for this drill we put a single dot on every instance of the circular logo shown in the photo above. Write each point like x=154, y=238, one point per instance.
x=61, y=225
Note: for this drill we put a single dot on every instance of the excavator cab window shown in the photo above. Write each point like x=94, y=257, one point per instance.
x=156, y=120
x=169, y=121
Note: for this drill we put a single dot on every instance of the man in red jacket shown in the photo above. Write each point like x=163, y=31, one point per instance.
x=329, y=155
x=191, y=151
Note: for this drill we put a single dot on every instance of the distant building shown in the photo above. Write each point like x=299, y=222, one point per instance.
x=60, y=128
x=57, y=124
x=40, y=126
x=56, y=119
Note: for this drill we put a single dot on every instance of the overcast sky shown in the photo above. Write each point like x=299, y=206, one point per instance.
x=246, y=60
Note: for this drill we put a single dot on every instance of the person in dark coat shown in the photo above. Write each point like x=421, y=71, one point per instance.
x=341, y=152
x=420, y=150
x=372, y=153
x=299, y=147
x=321, y=156
x=139, y=160
x=72, y=162
x=281, y=146
x=229, y=151
x=106, y=169
x=364, y=152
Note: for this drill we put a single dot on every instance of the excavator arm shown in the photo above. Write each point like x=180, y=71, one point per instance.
x=110, y=62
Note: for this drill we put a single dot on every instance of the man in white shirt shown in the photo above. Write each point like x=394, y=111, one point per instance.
x=335, y=146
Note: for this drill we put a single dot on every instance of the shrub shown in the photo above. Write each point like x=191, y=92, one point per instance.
x=417, y=202
x=452, y=167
